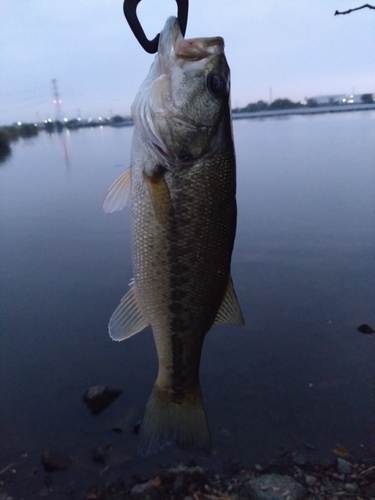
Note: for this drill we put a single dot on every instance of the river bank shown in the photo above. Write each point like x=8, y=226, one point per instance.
x=291, y=478
x=345, y=108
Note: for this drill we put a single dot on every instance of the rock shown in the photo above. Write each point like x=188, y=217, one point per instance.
x=343, y=466
x=179, y=483
x=299, y=459
x=366, y=329
x=327, y=462
x=369, y=490
x=4, y=496
x=225, y=433
x=53, y=461
x=140, y=489
x=275, y=487
x=309, y=446
x=310, y=480
x=98, y=397
x=102, y=453
x=194, y=472
x=350, y=487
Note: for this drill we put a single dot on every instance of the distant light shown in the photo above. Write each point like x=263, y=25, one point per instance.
x=89, y=120
x=19, y=123
x=65, y=119
x=344, y=100
x=79, y=119
x=49, y=119
x=45, y=121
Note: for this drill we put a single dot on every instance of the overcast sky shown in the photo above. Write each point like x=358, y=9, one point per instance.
x=275, y=48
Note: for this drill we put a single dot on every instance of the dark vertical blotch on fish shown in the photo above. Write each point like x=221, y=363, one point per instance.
x=178, y=369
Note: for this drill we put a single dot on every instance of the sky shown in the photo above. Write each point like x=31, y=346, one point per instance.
x=275, y=49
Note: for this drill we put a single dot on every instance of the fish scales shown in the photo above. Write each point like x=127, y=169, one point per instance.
x=183, y=280
x=182, y=183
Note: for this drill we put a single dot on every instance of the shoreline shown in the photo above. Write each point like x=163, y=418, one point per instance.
x=55, y=476
x=344, y=108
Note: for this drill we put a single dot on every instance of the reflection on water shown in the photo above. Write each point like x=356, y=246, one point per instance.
x=303, y=268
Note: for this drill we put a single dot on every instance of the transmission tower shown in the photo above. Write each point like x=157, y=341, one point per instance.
x=56, y=100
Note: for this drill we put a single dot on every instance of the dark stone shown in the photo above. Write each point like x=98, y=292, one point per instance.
x=369, y=490
x=365, y=329
x=343, y=466
x=53, y=461
x=299, y=459
x=136, y=428
x=48, y=481
x=102, y=453
x=308, y=446
x=179, y=483
x=98, y=397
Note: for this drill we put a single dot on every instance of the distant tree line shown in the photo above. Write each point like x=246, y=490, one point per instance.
x=288, y=104
x=13, y=133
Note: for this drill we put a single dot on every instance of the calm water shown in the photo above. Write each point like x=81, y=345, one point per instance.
x=303, y=267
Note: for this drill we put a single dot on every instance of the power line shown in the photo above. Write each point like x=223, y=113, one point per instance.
x=23, y=91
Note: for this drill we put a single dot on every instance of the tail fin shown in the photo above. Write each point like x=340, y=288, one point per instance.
x=166, y=422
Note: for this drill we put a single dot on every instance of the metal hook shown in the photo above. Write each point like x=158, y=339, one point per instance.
x=151, y=46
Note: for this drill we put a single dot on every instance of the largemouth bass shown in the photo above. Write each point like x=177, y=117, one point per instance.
x=181, y=186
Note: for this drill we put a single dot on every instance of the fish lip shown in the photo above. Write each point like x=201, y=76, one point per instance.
x=173, y=44
x=168, y=38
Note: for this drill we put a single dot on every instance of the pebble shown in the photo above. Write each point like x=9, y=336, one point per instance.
x=98, y=397
x=275, y=487
x=102, y=453
x=310, y=480
x=179, y=483
x=343, y=466
x=350, y=487
x=299, y=459
x=53, y=461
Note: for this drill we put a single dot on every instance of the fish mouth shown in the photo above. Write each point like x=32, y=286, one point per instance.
x=173, y=45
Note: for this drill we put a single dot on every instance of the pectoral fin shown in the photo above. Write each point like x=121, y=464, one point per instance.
x=118, y=194
x=128, y=319
x=160, y=196
x=230, y=311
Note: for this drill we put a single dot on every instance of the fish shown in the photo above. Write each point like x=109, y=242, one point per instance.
x=181, y=186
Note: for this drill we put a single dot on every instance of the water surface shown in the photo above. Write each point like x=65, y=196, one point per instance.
x=303, y=267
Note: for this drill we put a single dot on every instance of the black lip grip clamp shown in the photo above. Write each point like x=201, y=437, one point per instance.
x=151, y=46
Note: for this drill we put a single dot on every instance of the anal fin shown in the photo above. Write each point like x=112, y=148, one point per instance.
x=230, y=311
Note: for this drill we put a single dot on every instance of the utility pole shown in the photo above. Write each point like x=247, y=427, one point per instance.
x=56, y=100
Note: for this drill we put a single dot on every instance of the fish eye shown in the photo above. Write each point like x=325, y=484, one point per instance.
x=216, y=84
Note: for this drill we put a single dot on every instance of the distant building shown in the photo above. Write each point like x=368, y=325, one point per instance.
x=332, y=100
